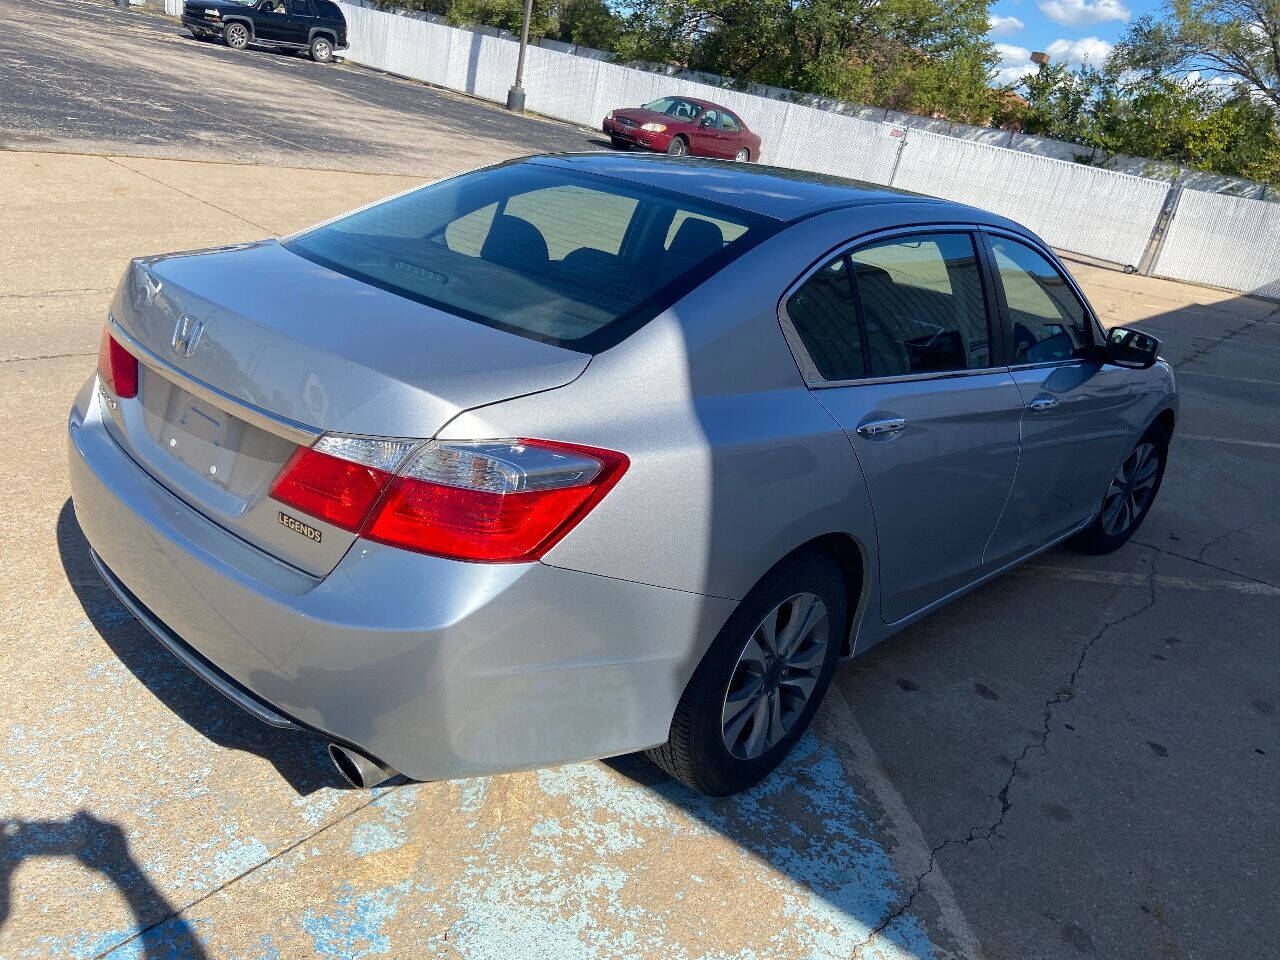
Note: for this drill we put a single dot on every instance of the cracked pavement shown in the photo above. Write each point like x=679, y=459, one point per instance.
x=1077, y=760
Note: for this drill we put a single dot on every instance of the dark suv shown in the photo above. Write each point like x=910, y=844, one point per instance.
x=316, y=26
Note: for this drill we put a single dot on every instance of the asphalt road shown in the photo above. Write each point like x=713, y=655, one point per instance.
x=1077, y=760
x=83, y=76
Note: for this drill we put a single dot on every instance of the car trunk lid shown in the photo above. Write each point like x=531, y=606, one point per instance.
x=249, y=352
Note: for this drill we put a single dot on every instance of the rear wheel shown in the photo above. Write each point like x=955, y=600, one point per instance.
x=321, y=49
x=236, y=36
x=678, y=147
x=1129, y=496
x=757, y=688
x=743, y=155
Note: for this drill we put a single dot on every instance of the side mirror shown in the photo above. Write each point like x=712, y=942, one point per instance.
x=1131, y=348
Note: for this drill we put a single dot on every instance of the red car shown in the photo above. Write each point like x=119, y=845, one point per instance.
x=683, y=125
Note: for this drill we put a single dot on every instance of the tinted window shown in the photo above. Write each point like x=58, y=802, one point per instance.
x=1049, y=321
x=545, y=253
x=301, y=8
x=922, y=305
x=824, y=315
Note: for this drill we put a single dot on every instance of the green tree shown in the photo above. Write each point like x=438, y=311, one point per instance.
x=1239, y=39
x=1187, y=121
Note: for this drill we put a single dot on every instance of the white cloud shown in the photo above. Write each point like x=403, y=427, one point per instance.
x=1092, y=50
x=1003, y=25
x=1079, y=13
x=1015, y=63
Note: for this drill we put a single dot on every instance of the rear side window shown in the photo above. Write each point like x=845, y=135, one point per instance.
x=826, y=319
x=727, y=122
x=922, y=305
x=559, y=256
x=1049, y=322
x=301, y=8
x=905, y=306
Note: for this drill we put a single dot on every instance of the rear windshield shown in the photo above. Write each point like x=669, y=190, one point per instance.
x=568, y=258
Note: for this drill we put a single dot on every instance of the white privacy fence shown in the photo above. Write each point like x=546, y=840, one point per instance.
x=1231, y=242
x=1072, y=206
x=1217, y=239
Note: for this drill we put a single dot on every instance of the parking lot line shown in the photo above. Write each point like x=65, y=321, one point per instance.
x=1119, y=579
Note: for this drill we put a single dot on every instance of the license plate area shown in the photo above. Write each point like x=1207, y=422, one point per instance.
x=200, y=436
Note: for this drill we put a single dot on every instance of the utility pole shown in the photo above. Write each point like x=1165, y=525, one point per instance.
x=515, y=96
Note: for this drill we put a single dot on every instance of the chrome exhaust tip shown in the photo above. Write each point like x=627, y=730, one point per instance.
x=358, y=769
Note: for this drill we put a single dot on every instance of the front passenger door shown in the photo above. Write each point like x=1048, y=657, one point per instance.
x=1075, y=420
x=270, y=22
x=899, y=350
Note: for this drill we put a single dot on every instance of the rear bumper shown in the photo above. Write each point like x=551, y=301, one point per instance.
x=440, y=669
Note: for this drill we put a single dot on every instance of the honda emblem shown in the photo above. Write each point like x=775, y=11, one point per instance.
x=186, y=334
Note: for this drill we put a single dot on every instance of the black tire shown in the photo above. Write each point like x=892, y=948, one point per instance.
x=678, y=147
x=236, y=35
x=321, y=49
x=696, y=753
x=743, y=155
x=1097, y=538
x=619, y=144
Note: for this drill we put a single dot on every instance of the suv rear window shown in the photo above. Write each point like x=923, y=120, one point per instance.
x=568, y=258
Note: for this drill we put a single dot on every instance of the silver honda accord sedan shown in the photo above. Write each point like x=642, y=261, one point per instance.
x=581, y=455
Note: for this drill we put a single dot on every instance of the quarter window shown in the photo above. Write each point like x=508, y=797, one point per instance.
x=825, y=317
x=1049, y=322
x=923, y=308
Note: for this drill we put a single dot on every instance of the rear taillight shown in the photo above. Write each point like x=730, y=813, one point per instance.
x=339, y=479
x=117, y=367
x=494, y=501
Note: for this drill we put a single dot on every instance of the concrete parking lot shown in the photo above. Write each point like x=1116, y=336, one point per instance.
x=1078, y=760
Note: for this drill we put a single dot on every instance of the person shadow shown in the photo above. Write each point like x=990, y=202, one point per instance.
x=102, y=846
x=300, y=756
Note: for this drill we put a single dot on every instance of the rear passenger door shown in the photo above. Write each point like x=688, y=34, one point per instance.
x=706, y=135
x=302, y=17
x=897, y=339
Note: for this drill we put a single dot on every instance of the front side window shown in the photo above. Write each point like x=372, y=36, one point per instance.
x=923, y=308
x=1049, y=321
x=564, y=257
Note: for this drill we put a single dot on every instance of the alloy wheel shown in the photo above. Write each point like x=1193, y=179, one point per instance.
x=1131, y=489
x=743, y=155
x=237, y=36
x=775, y=676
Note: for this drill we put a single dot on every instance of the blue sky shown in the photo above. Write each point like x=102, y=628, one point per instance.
x=1068, y=30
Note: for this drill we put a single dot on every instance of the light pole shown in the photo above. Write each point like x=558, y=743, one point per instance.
x=515, y=96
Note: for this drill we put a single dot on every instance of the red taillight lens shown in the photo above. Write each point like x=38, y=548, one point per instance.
x=335, y=490
x=117, y=367
x=501, y=501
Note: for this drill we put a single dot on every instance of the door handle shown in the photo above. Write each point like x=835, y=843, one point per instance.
x=880, y=428
x=1042, y=404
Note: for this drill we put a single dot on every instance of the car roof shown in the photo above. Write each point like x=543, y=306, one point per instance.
x=776, y=192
